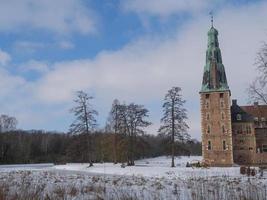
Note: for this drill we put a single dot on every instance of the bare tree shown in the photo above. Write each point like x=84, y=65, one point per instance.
x=114, y=122
x=258, y=88
x=85, y=119
x=7, y=123
x=134, y=121
x=173, y=120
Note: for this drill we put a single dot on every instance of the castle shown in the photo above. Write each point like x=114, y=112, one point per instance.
x=231, y=134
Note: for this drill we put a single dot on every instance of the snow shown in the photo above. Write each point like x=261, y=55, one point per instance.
x=154, y=167
x=151, y=178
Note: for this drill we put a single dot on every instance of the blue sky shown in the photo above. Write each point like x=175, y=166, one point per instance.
x=133, y=50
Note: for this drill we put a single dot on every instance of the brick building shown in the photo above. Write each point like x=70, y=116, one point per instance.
x=231, y=134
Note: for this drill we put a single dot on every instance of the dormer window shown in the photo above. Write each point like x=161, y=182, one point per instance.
x=238, y=117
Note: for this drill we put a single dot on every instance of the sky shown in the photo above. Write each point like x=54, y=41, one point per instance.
x=132, y=50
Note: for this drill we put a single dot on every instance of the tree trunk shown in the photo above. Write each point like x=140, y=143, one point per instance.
x=172, y=135
x=115, y=148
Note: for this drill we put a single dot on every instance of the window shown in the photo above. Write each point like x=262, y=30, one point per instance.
x=223, y=129
x=222, y=103
x=222, y=116
x=207, y=104
x=224, y=145
x=264, y=148
x=221, y=95
x=209, y=145
x=248, y=129
x=208, y=116
x=207, y=96
x=208, y=129
x=250, y=148
x=238, y=117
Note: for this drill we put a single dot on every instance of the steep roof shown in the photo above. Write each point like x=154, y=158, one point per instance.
x=214, y=77
x=256, y=110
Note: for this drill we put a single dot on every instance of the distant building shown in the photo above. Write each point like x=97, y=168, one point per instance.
x=230, y=133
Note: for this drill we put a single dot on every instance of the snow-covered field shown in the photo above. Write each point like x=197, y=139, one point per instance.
x=149, y=179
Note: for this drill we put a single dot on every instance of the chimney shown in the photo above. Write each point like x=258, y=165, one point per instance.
x=234, y=102
x=256, y=103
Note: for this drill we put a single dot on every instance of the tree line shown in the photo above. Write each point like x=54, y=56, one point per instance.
x=37, y=146
x=122, y=140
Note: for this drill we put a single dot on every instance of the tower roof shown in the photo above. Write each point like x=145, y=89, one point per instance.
x=214, y=77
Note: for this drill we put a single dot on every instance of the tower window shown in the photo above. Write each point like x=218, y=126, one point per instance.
x=208, y=116
x=224, y=145
x=223, y=129
x=208, y=129
x=207, y=96
x=209, y=145
x=207, y=104
x=221, y=95
x=222, y=103
x=222, y=115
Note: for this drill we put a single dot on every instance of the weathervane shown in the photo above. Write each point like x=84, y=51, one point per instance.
x=211, y=15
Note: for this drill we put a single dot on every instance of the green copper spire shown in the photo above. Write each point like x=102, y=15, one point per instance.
x=214, y=78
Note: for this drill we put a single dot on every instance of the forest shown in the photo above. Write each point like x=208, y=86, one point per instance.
x=51, y=147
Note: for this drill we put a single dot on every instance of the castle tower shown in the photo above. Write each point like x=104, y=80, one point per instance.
x=215, y=107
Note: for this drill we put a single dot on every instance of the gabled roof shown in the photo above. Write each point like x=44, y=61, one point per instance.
x=256, y=110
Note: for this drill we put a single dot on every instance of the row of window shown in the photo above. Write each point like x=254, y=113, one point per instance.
x=208, y=96
x=245, y=129
x=222, y=116
x=224, y=145
x=223, y=129
x=207, y=104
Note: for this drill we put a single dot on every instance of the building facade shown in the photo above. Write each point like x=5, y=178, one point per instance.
x=231, y=134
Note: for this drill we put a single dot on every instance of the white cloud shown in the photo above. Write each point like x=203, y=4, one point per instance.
x=4, y=58
x=28, y=46
x=60, y=16
x=36, y=66
x=66, y=45
x=145, y=69
x=165, y=8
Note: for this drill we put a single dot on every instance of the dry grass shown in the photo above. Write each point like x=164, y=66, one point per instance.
x=52, y=186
